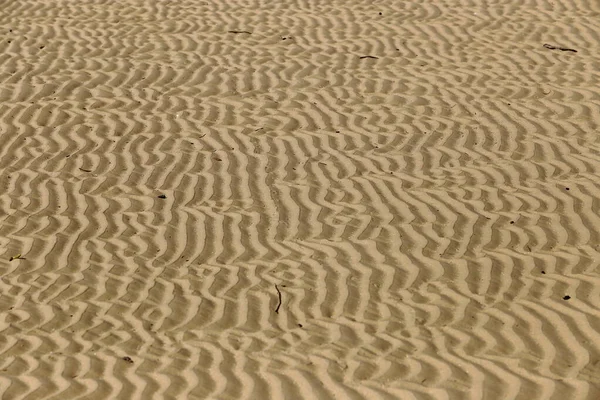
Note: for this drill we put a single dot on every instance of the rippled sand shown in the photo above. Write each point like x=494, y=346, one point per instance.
x=299, y=199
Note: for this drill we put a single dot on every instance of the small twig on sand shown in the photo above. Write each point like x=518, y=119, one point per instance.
x=551, y=47
x=373, y=57
x=279, y=295
x=249, y=33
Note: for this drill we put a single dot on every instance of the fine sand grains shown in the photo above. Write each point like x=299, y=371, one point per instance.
x=329, y=199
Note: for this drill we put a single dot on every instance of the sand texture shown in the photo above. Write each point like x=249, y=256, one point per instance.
x=336, y=199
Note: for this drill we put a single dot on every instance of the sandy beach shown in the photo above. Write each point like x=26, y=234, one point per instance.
x=299, y=199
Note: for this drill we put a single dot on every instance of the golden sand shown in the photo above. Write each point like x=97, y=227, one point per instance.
x=299, y=199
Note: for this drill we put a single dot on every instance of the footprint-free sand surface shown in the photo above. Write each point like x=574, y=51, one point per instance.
x=299, y=199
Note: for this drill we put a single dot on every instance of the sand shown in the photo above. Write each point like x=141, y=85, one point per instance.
x=299, y=199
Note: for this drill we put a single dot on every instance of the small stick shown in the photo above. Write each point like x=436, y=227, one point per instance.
x=279, y=295
x=85, y=170
x=549, y=46
x=249, y=33
x=373, y=57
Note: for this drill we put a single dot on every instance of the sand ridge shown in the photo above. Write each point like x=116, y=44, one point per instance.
x=299, y=199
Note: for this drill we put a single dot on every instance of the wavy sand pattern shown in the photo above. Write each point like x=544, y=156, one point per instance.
x=416, y=181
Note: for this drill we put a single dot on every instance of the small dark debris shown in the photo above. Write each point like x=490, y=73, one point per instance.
x=543, y=272
x=512, y=222
x=246, y=32
x=566, y=188
x=551, y=47
x=85, y=170
x=128, y=359
x=41, y=47
x=279, y=298
x=162, y=196
x=373, y=57
x=566, y=297
x=218, y=159
x=299, y=325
